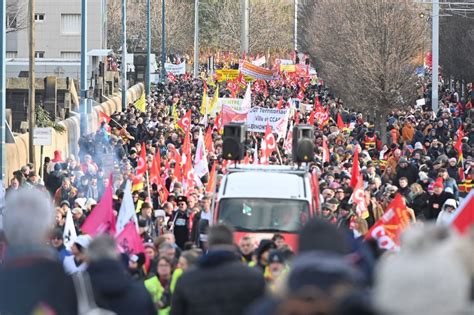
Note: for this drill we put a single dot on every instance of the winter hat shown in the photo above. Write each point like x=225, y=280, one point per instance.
x=438, y=183
x=418, y=146
x=275, y=256
x=423, y=176
x=450, y=202
x=83, y=240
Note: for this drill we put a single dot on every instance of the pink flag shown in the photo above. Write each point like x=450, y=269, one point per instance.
x=128, y=241
x=102, y=219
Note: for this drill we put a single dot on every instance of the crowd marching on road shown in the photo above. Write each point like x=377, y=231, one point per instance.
x=146, y=180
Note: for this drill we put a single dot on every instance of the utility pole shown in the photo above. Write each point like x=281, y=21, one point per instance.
x=84, y=89
x=148, y=48
x=244, y=27
x=3, y=88
x=296, y=26
x=196, y=39
x=31, y=75
x=163, y=40
x=124, y=55
x=435, y=55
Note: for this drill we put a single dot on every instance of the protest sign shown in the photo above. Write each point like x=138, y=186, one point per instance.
x=277, y=118
x=254, y=71
x=175, y=69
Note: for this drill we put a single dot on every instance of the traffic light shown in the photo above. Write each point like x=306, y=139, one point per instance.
x=303, y=143
x=233, y=141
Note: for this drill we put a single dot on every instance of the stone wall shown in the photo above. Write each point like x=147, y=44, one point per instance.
x=67, y=142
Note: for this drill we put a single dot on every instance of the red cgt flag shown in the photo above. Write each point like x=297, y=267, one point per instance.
x=185, y=122
x=340, y=123
x=386, y=231
x=141, y=166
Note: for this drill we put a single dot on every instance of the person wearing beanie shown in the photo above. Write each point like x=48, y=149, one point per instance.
x=437, y=200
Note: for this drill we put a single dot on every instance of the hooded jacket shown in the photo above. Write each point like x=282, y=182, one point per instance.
x=116, y=291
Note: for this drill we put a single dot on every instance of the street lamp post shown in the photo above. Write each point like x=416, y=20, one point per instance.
x=124, y=55
x=148, y=48
x=163, y=40
x=3, y=106
x=435, y=55
x=84, y=89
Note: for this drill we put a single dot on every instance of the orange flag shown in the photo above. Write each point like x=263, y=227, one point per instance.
x=340, y=123
x=211, y=183
x=208, y=140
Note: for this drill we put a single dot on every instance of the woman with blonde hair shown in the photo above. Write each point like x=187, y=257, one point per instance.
x=418, y=200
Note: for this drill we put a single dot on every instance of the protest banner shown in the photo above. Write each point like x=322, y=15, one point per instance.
x=260, y=61
x=223, y=75
x=233, y=103
x=254, y=71
x=277, y=118
x=175, y=69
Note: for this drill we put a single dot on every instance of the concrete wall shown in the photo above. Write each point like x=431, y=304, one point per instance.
x=67, y=142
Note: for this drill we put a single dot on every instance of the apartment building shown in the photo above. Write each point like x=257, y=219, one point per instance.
x=58, y=28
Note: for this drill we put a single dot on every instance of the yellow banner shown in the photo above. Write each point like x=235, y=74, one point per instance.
x=288, y=68
x=229, y=74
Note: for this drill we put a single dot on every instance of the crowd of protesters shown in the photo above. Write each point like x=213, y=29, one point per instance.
x=188, y=267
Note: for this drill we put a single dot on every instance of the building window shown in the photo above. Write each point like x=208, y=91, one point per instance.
x=11, y=54
x=75, y=55
x=39, y=54
x=11, y=22
x=39, y=17
x=71, y=24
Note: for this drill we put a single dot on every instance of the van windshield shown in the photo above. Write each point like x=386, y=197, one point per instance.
x=263, y=215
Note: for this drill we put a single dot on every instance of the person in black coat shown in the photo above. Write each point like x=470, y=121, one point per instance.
x=180, y=222
x=405, y=169
x=437, y=200
x=113, y=288
x=221, y=284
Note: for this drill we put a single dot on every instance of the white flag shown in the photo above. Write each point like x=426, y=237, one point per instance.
x=69, y=234
x=201, y=166
x=255, y=154
x=127, y=209
x=247, y=101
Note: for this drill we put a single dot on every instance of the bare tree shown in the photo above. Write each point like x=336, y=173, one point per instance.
x=179, y=24
x=16, y=15
x=366, y=50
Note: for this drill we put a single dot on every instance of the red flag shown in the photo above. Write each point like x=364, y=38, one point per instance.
x=386, y=231
x=103, y=117
x=317, y=103
x=128, y=241
x=141, y=166
x=208, y=140
x=218, y=122
x=270, y=143
x=241, y=80
x=358, y=197
x=155, y=169
x=211, y=183
x=185, y=122
x=311, y=118
x=355, y=168
x=171, y=77
x=102, y=218
x=340, y=123
x=280, y=103
x=315, y=189
x=300, y=94
x=464, y=216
